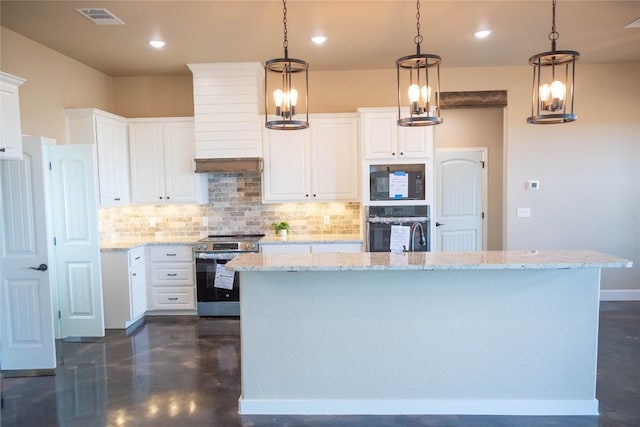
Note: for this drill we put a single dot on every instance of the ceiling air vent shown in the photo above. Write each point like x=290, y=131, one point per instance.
x=100, y=16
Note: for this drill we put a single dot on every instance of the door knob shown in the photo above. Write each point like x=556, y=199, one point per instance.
x=438, y=224
x=41, y=267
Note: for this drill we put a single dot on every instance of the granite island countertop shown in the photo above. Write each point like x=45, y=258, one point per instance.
x=483, y=260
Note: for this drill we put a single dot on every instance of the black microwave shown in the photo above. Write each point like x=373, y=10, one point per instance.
x=397, y=182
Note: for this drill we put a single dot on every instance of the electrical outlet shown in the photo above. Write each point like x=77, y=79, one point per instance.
x=205, y=221
x=152, y=222
x=326, y=220
x=524, y=212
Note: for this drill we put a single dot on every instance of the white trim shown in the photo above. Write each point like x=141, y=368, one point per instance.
x=620, y=295
x=416, y=407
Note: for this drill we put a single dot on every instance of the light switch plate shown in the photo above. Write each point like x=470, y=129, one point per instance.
x=524, y=212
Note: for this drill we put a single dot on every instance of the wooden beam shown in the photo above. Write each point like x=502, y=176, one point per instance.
x=475, y=99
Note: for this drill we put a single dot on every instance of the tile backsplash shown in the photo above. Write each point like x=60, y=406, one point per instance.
x=234, y=206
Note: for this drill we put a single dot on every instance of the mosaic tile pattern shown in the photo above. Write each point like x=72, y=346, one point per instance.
x=235, y=206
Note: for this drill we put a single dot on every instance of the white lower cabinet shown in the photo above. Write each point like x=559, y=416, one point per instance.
x=172, y=278
x=123, y=287
x=298, y=248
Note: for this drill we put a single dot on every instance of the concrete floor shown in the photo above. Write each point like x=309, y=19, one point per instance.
x=186, y=372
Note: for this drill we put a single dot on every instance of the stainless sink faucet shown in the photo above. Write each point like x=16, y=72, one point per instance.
x=422, y=241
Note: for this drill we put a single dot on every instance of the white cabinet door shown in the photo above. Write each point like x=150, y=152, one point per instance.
x=162, y=162
x=181, y=184
x=335, y=158
x=10, y=125
x=380, y=135
x=415, y=142
x=286, y=166
x=383, y=139
x=316, y=164
x=137, y=283
x=147, y=163
x=109, y=134
x=113, y=161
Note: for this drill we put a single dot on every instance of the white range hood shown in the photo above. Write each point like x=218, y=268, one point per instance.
x=229, y=114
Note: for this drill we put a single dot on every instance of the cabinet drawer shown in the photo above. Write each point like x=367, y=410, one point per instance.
x=172, y=274
x=171, y=253
x=136, y=257
x=173, y=298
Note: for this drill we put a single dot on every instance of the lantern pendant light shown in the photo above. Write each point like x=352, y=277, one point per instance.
x=285, y=74
x=553, y=83
x=419, y=85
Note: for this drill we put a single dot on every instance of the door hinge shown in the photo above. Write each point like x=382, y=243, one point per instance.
x=55, y=242
x=59, y=315
x=50, y=167
x=482, y=215
x=483, y=164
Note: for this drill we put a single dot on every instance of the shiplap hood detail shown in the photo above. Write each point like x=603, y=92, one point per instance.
x=228, y=101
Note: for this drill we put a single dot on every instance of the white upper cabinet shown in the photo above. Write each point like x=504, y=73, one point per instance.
x=383, y=139
x=109, y=133
x=10, y=125
x=316, y=164
x=162, y=162
x=228, y=103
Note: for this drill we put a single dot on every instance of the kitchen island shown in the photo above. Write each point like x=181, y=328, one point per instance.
x=511, y=332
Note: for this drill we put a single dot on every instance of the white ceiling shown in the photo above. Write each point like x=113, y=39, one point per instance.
x=363, y=34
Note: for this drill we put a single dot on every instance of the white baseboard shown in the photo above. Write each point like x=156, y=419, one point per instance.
x=416, y=407
x=620, y=295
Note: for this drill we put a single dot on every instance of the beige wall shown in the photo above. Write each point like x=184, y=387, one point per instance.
x=589, y=170
x=153, y=96
x=466, y=128
x=54, y=82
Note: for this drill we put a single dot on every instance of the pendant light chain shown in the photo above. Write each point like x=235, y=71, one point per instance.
x=553, y=35
x=285, y=43
x=418, y=38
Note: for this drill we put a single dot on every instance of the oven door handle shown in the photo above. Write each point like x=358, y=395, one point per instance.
x=215, y=256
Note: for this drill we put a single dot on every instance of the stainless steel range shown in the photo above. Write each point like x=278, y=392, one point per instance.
x=219, y=289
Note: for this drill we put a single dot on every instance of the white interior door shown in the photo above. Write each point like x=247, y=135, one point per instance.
x=77, y=244
x=27, y=340
x=461, y=200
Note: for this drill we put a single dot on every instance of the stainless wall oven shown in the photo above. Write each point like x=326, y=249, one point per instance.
x=412, y=222
x=218, y=290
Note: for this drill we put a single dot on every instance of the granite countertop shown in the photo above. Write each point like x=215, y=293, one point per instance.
x=126, y=244
x=487, y=260
x=273, y=239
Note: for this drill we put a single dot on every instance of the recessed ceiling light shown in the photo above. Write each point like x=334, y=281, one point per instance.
x=319, y=39
x=157, y=43
x=482, y=34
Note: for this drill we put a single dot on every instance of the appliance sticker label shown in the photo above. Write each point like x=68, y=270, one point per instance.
x=399, y=241
x=224, y=278
x=398, y=185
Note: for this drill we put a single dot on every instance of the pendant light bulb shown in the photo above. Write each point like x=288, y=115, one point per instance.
x=414, y=93
x=425, y=91
x=557, y=90
x=545, y=91
x=294, y=97
x=278, y=96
